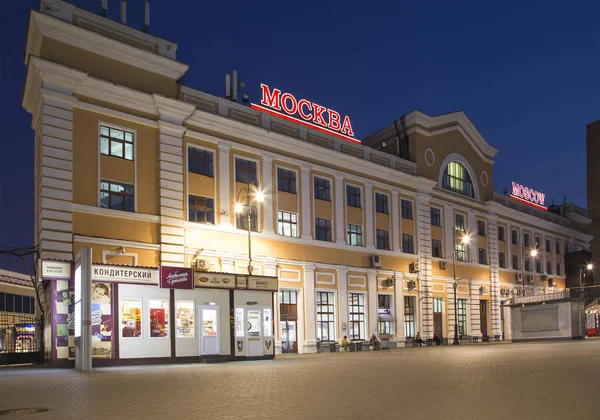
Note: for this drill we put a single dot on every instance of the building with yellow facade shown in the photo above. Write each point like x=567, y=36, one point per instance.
x=147, y=172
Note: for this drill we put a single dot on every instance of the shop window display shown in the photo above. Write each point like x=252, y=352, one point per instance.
x=101, y=320
x=185, y=318
x=159, y=318
x=131, y=316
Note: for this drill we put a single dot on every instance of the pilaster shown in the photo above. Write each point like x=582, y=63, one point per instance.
x=424, y=249
x=340, y=205
x=475, y=321
x=397, y=245
x=225, y=206
x=342, y=278
x=399, y=308
x=270, y=190
x=372, y=296
x=369, y=217
x=494, y=277
x=305, y=201
x=310, y=346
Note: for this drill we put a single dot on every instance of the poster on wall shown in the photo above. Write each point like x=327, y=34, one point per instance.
x=64, y=319
x=101, y=320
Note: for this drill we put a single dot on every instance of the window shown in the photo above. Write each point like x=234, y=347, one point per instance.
x=566, y=248
x=515, y=262
x=200, y=161
x=407, y=244
x=286, y=180
x=354, y=235
x=116, y=196
x=558, y=247
x=502, y=259
x=159, y=317
x=527, y=264
x=323, y=230
x=115, y=142
x=457, y=179
x=245, y=171
x=357, y=316
x=383, y=239
x=549, y=267
x=462, y=316
x=482, y=256
x=548, y=245
x=501, y=234
x=526, y=239
x=185, y=318
x=538, y=242
x=406, y=209
x=131, y=318
x=436, y=217
x=461, y=252
x=241, y=219
x=381, y=203
x=287, y=224
x=287, y=297
x=384, y=304
x=384, y=307
x=17, y=303
x=538, y=265
x=481, y=227
x=409, y=316
x=515, y=237
x=436, y=248
x=459, y=222
x=438, y=305
x=353, y=196
x=201, y=210
x=325, y=316
x=322, y=189
x=558, y=273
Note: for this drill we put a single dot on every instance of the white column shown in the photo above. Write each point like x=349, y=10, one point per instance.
x=424, y=238
x=368, y=218
x=373, y=300
x=396, y=223
x=310, y=346
x=305, y=213
x=340, y=206
x=225, y=203
x=399, y=308
x=494, y=279
x=270, y=190
x=475, y=321
x=342, y=277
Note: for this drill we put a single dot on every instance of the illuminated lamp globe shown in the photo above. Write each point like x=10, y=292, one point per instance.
x=466, y=239
x=590, y=266
x=259, y=196
x=533, y=252
x=238, y=208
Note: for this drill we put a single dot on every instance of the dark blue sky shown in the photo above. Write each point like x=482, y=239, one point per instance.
x=525, y=72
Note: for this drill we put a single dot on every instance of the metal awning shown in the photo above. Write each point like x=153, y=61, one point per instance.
x=386, y=318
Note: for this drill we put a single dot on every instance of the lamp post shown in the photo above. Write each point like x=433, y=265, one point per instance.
x=253, y=195
x=589, y=268
x=533, y=253
x=465, y=240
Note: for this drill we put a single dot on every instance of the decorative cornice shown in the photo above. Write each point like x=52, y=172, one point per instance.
x=172, y=110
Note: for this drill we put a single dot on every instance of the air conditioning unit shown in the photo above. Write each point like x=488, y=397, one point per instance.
x=387, y=282
x=201, y=265
x=544, y=277
x=518, y=277
x=375, y=261
x=529, y=279
x=552, y=282
x=443, y=265
x=482, y=290
x=414, y=267
x=411, y=284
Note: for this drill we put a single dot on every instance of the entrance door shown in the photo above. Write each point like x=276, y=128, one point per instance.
x=209, y=329
x=483, y=316
x=254, y=332
x=288, y=315
x=288, y=337
x=438, y=319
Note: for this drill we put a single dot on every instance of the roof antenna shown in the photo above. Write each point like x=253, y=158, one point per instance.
x=104, y=8
x=146, y=16
x=124, y=12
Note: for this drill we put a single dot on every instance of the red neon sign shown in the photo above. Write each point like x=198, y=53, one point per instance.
x=312, y=115
x=528, y=196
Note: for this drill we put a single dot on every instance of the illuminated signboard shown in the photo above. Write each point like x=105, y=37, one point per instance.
x=528, y=196
x=311, y=115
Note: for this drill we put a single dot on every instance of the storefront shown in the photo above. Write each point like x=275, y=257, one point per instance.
x=146, y=315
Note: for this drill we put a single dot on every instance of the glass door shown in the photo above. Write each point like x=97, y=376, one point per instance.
x=254, y=332
x=288, y=337
x=209, y=329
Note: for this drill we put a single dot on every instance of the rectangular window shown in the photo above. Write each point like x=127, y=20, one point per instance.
x=538, y=242
x=353, y=196
x=549, y=267
x=381, y=203
x=2, y=302
x=325, y=316
x=409, y=316
x=287, y=224
x=436, y=217
x=383, y=239
x=323, y=230
x=538, y=265
x=459, y=220
x=558, y=273
x=322, y=189
x=481, y=227
x=385, y=327
x=526, y=239
x=131, y=318
x=10, y=302
x=18, y=304
x=286, y=180
x=548, y=245
x=384, y=304
x=201, y=210
x=436, y=248
x=159, y=317
x=527, y=264
x=245, y=171
x=115, y=142
x=566, y=248
x=354, y=235
x=438, y=305
x=407, y=244
x=357, y=316
x=502, y=259
x=287, y=297
x=501, y=234
x=482, y=256
x=515, y=237
x=461, y=252
x=515, y=262
x=406, y=209
x=241, y=219
x=116, y=196
x=462, y=316
x=558, y=247
x=200, y=161
x=185, y=318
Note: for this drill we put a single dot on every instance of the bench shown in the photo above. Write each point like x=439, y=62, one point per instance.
x=485, y=339
x=430, y=342
x=444, y=341
x=466, y=338
x=475, y=339
x=497, y=338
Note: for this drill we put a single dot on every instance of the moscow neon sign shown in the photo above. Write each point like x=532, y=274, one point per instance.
x=315, y=116
x=528, y=196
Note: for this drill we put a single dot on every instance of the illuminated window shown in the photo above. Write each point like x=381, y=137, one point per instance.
x=461, y=252
x=115, y=142
x=116, y=196
x=357, y=316
x=241, y=219
x=201, y=210
x=131, y=318
x=286, y=180
x=185, y=317
x=457, y=179
x=459, y=223
x=325, y=316
x=287, y=224
x=354, y=235
x=409, y=316
x=200, y=161
x=159, y=317
x=462, y=316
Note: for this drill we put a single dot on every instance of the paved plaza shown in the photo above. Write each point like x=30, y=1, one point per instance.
x=482, y=381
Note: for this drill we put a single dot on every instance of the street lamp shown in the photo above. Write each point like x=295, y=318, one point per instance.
x=253, y=195
x=464, y=240
x=589, y=267
x=533, y=253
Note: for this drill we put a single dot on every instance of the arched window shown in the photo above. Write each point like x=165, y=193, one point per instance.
x=457, y=179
